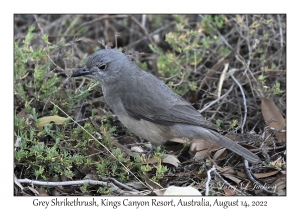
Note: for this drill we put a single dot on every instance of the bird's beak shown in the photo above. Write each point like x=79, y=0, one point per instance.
x=81, y=72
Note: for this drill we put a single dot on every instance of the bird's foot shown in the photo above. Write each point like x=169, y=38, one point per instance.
x=150, y=152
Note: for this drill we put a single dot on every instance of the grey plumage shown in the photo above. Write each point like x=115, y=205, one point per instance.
x=148, y=107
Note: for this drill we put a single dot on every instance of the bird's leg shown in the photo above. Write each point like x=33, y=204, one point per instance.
x=150, y=152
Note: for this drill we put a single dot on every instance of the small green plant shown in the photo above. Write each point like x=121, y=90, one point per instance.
x=262, y=79
x=266, y=36
x=276, y=89
x=201, y=169
x=83, y=188
x=186, y=144
x=104, y=190
x=234, y=123
x=160, y=171
x=159, y=154
x=277, y=164
x=193, y=86
x=216, y=21
x=218, y=122
x=81, y=94
x=262, y=57
x=146, y=168
x=273, y=66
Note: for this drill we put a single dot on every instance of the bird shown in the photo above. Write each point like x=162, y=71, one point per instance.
x=147, y=106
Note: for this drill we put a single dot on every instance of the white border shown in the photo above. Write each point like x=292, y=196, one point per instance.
x=153, y=6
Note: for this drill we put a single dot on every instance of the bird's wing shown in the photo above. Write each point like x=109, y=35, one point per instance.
x=162, y=107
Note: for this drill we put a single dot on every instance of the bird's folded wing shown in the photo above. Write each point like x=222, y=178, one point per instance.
x=165, y=111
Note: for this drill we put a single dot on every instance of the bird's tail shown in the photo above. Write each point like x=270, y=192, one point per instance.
x=193, y=132
x=233, y=146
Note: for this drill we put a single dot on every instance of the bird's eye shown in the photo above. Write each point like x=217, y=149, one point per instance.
x=101, y=66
